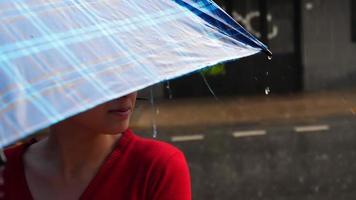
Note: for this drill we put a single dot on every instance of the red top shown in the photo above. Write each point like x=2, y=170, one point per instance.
x=137, y=169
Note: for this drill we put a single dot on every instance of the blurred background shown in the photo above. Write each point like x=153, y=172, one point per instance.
x=280, y=129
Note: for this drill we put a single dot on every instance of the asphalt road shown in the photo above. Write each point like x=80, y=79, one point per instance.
x=290, y=161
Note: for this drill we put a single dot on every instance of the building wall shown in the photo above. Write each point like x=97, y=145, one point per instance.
x=329, y=56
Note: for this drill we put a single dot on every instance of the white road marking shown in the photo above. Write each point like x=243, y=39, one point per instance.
x=185, y=138
x=315, y=128
x=238, y=134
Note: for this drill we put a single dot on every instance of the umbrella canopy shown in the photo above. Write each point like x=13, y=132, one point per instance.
x=59, y=58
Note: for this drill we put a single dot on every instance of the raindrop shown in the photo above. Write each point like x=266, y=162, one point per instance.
x=339, y=156
x=309, y=6
x=325, y=157
x=269, y=57
x=208, y=85
x=317, y=189
x=154, y=113
x=267, y=91
x=267, y=73
x=155, y=132
x=2, y=158
x=301, y=179
x=169, y=89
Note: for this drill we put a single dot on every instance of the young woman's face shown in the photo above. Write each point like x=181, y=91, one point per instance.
x=112, y=117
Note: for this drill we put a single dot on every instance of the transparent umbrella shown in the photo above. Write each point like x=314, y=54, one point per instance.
x=60, y=58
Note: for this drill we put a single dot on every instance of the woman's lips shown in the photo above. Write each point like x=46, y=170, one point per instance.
x=125, y=112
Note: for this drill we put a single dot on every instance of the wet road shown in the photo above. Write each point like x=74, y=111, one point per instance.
x=290, y=161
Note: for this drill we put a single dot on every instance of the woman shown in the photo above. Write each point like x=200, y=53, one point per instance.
x=94, y=155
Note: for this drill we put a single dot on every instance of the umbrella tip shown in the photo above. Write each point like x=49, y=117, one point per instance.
x=267, y=52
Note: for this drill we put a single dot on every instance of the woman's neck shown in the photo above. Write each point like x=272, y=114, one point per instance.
x=76, y=153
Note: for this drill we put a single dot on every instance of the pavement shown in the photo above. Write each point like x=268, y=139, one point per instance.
x=274, y=147
x=300, y=107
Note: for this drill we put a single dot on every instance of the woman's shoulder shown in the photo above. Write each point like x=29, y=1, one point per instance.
x=167, y=168
x=13, y=165
x=154, y=150
x=14, y=152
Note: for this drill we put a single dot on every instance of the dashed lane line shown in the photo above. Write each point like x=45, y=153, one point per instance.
x=250, y=133
x=314, y=128
x=185, y=138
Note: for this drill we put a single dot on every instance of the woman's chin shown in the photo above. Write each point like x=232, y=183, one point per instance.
x=117, y=128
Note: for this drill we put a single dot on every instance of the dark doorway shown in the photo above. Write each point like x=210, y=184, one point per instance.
x=280, y=29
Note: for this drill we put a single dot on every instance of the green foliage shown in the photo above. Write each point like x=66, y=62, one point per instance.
x=216, y=70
